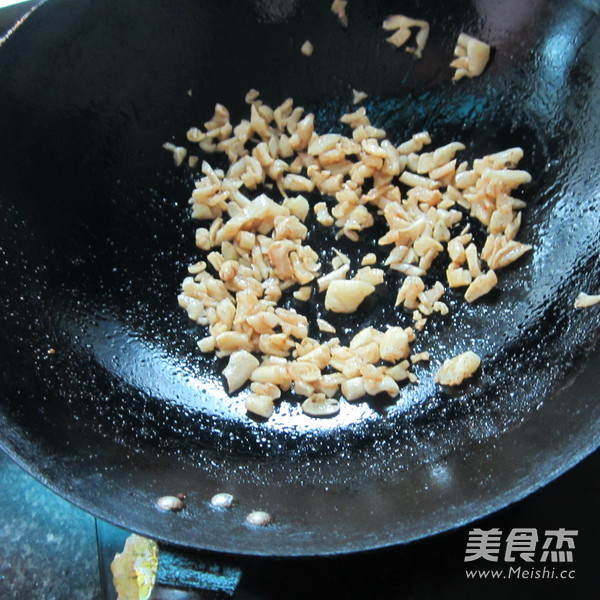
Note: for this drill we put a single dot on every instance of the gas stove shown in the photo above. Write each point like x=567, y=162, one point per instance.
x=49, y=548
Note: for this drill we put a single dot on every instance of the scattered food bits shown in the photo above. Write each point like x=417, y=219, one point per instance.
x=197, y=268
x=195, y=135
x=408, y=294
x=338, y=273
x=398, y=372
x=255, y=246
x=455, y=370
x=51, y=351
x=263, y=406
x=207, y=344
x=420, y=323
x=441, y=307
x=353, y=388
x=338, y=8
x=394, y=344
x=170, y=503
x=401, y=26
x=307, y=48
x=584, y=300
x=373, y=276
x=421, y=356
x=179, y=152
x=322, y=214
x=481, y=285
x=345, y=296
x=339, y=259
x=239, y=368
x=325, y=326
x=358, y=96
x=303, y=294
x=223, y=500
x=472, y=56
x=259, y=518
x=458, y=277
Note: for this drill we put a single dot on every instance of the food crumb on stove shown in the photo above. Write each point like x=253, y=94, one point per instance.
x=338, y=8
x=458, y=368
x=223, y=500
x=307, y=48
x=584, y=300
x=179, y=152
x=51, y=351
x=259, y=518
x=472, y=56
x=358, y=96
x=134, y=569
x=170, y=503
x=189, y=92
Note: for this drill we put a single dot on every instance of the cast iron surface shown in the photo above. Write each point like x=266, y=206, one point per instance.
x=96, y=236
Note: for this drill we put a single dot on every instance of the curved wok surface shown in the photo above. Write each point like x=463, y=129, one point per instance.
x=95, y=238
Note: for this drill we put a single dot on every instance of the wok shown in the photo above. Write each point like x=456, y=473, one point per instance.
x=96, y=236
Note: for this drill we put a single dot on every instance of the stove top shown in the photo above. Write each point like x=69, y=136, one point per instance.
x=51, y=550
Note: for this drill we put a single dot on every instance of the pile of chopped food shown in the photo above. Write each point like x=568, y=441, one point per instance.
x=256, y=246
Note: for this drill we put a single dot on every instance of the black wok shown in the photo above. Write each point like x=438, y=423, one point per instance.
x=95, y=238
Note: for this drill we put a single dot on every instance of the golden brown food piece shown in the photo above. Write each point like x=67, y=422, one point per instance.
x=345, y=296
x=458, y=368
x=307, y=48
x=239, y=368
x=472, y=56
x=338, y=8
x=401, y=25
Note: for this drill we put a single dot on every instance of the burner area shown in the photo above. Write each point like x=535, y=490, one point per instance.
x=52, y=550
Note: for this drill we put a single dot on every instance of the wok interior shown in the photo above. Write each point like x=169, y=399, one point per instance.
x=97, y=236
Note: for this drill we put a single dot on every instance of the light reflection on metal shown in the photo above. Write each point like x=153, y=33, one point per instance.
x=7, y=3
x=20, y=21
x=441, y=476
